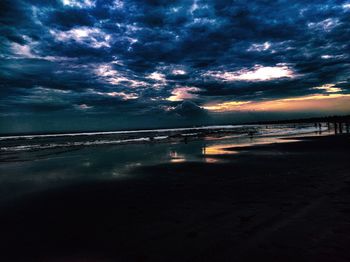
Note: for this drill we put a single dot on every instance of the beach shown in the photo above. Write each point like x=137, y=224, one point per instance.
x=280, y=201
x=174, y=131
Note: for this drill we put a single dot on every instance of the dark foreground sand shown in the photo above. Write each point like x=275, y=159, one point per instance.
x=283, y=202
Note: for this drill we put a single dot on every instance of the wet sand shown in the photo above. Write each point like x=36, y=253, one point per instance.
x=279, y=202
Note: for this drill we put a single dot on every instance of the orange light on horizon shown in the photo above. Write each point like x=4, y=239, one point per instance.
x=321, y=102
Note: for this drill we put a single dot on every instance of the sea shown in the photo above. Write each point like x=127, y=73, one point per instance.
x=29, y=142
x=32, y=163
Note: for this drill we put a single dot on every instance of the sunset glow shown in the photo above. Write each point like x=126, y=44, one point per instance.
x=320, y=102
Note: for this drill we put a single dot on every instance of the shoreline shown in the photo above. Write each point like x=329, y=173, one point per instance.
x=9, y=146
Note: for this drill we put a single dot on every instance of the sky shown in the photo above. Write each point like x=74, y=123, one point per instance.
x=70, y=65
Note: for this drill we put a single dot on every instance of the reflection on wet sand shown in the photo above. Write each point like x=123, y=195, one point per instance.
x=212, y=160
x=217, y=149
x=175, y=157
x=209, y=151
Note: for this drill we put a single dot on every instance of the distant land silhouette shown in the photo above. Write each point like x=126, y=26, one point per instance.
x=330, y=119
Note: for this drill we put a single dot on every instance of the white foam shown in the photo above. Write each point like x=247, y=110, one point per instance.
x=123, y=132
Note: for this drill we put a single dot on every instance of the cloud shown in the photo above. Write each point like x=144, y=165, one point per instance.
x=140, y=57
x=329, y=88
x=93, y=37
x=257, y=73
x=327, y=25
x=83, y=107
x=260, y=47
x=178, y=72
x=183, y=93
x=123, y=96
x=79, y=3
x=157, y=76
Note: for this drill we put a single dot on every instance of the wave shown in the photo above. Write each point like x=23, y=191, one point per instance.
x=85, y=143
x=122, y=132
x=34, y=142
x=292, y=131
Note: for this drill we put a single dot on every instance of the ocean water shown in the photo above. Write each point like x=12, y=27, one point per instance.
x=70, y=140
x=31, y=163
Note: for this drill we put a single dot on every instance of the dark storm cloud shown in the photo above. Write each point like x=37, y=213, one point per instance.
x=95, y=56
x=67, y=18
